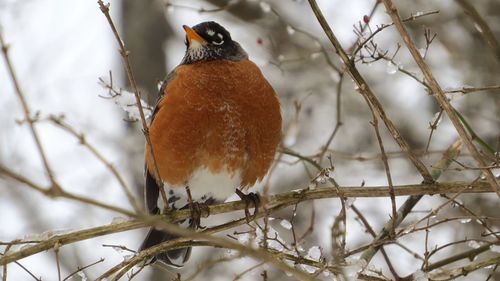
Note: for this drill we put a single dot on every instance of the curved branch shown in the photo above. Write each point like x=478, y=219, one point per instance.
x=275, y=202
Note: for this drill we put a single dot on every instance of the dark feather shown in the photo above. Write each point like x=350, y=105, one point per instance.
x=176, y=257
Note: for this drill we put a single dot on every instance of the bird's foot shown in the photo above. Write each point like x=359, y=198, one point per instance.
x=198, y=210
x=250, y=198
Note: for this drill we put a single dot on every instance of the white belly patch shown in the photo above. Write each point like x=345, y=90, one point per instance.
x=205, y=185
x=218, y=186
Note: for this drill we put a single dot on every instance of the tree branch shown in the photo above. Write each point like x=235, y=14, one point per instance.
x=59, y=121
x=275, y=202
x=439, y=94
x=365, y=90
x=55, y=188
x=389, y=227
x=470, y=254
x=484, y=28
x=145, y=129
x=7, y=173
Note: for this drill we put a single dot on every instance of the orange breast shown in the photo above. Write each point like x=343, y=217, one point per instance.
x=217, y=115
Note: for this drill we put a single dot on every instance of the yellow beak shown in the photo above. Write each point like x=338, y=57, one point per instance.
x=192, y=35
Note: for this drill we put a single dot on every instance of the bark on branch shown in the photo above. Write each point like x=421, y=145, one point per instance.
x=275, y=202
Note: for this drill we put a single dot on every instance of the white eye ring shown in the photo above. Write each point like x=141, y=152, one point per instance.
x=218, y=43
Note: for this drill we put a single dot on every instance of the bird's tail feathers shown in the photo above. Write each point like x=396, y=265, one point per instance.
x=176, y=257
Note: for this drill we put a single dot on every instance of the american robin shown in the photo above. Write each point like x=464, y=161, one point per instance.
x=215, y=128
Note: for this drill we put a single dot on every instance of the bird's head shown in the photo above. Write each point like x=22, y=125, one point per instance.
x=210, y=41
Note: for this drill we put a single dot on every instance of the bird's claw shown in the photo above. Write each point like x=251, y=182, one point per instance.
x=198, y=210
x=253, y=198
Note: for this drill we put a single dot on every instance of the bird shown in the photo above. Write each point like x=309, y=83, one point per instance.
x=215, y=130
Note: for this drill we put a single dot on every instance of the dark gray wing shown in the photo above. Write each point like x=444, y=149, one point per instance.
x=175, y=257
x=162, y=93
x=151, y=188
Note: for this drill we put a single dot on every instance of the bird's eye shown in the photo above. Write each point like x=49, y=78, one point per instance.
x=219, y=39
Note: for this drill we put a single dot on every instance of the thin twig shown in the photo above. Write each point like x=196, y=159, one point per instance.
x=377, y=156
x=80, y=269
x=474, y=136
x=470, y=212
x=439, y=94
x=364, y=26
x=206, y=265
x=290, y=152
x=470, y=254
x=338, y=123
x=433, y=126
x=56, y=253
x=4, y=271
x=241, y=274
x=384, y=26
x=386, y=166
x=426, y=244
x=55, y=188
x=83, y=141
x=452, y=152
x=433, y=212
x=453, y=274
x=370, y=230
x=484, y=28
x=310, y=228
x=145, y=129
x=365, y=90
x=467, y=90
x=7, y=173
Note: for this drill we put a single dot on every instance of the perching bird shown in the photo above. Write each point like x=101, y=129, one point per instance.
x=215, y=128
